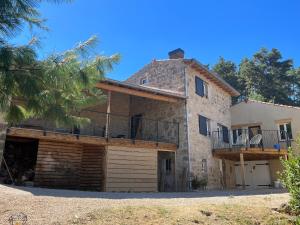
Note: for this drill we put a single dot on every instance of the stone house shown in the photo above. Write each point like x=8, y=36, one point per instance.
x=165, y=128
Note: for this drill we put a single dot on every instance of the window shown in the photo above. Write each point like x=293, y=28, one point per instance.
x=219, y=130
x=143, y=81
x=285, y=130
x=201, y=87
x=168, y=165
x=223, y=133
x=204, y=166
x=236, y=133
x=204, y=126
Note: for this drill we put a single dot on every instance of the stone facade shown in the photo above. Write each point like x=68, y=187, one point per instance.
x=176, y=76
x=163, y=74
x=216, y=107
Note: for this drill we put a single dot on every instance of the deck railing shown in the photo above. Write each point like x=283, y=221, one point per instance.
x=244, y=138
x=114, y=126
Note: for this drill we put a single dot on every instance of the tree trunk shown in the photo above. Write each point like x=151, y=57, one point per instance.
x=3, y=128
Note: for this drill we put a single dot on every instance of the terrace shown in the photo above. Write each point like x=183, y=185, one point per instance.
x=264, y=144
x=130, y=115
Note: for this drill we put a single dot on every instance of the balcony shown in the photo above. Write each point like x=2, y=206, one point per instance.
x=263, y=144
x=111, y=127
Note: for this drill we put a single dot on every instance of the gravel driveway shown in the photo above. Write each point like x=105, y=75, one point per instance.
x=48, y=206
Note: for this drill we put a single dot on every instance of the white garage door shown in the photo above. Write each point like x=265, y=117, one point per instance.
x=257, y=174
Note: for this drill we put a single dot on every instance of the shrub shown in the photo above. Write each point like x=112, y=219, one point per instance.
x=291, y=178
x=196, y=183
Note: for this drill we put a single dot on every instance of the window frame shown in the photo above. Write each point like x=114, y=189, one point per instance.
x=142, y=80
x=284, y=124
x=203, y=90
x=208, y=126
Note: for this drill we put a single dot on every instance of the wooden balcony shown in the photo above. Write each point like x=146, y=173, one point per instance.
x=264, y=145
x=107, y=129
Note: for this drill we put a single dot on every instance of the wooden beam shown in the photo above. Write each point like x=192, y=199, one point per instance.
x=108, y=115
x=134, y=92
x=243, y=170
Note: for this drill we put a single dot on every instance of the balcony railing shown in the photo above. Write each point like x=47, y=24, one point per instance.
x=244, y=138
x=115, y=126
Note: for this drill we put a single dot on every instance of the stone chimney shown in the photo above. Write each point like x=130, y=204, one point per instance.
x=176, y=54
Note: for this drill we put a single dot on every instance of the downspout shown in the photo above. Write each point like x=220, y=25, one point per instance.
x=187, y=124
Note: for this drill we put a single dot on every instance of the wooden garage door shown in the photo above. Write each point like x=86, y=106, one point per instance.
x=257, y=174
x=131, y=169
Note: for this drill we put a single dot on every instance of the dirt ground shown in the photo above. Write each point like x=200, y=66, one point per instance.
x=59, y=207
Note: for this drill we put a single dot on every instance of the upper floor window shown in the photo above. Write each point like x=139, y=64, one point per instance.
x=285, y=130
x=237, y=136
x=204, y=125
x=223, y=133
x=201, y=87
x=143, y=81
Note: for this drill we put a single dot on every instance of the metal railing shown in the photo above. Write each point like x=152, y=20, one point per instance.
x=118, y=126
x=244, y=138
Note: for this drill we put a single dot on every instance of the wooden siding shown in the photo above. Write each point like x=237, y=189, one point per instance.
x=92, y=168
x=131, y=169
x=58, y=165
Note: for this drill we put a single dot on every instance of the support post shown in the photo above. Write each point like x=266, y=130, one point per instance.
x=175, y=173
x=285, y=157
x=243, y=170
x=221, y=173
x=108, y=115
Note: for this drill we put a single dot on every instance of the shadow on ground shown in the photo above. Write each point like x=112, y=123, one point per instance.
x=159, y=195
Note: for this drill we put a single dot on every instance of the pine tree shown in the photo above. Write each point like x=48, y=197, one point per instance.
x=55, y=88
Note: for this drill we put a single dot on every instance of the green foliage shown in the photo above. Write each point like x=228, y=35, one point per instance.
x=15, y=13
x=196, y=183
x=291, y=178
x=55, y=88
x=266, y=77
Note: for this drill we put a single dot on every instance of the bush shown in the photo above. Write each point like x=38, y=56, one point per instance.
x=196, y=183
x=291, y=178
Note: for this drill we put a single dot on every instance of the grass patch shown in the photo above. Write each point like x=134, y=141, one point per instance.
x=186, y=215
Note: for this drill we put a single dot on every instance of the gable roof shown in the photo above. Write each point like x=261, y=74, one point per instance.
x=139, y=90
x=212, y=76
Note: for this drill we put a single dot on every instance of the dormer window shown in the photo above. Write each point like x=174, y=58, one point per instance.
x=201, y=87
x=143, y=81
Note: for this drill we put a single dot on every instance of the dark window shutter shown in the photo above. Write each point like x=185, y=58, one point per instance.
x=203, y=125
x=199, y=86
x=225, y=134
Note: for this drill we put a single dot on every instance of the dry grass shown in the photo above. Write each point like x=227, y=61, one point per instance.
x=65, y=207
x=194, y=214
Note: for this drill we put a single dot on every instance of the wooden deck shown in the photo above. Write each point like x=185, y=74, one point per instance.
x=92, y=140
x=249, y=153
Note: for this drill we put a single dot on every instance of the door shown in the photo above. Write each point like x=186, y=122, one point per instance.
x=166, y=171
x=136, y=126
x=252, y=132
x=257, y=174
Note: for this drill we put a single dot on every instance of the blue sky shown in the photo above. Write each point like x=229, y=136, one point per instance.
x=143, y=30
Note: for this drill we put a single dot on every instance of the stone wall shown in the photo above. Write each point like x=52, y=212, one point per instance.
x=216, y=108
x=164, y=74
